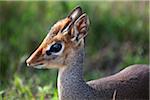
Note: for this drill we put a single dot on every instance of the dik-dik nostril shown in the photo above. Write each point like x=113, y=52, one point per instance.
x=28, y=62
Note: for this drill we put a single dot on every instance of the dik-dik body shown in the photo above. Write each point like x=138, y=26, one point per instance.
x=63, y=48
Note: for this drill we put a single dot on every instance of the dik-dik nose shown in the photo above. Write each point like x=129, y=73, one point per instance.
x=31, y=60
x=34, y=58
x=28, y=62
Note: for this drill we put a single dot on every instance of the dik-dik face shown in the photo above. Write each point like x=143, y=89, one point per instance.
x=63, y=39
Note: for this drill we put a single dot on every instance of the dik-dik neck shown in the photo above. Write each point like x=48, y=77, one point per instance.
x=70, y=78
x=73, y=71
x=71, y=85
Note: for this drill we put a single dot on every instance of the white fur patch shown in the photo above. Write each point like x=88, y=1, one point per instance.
x=39, y=66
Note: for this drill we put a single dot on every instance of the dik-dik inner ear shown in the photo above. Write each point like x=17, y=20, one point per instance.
x=80, y=28
x=76, y=13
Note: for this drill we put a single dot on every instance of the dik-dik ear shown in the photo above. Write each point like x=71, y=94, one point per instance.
x=80, y=28
x=75, y=13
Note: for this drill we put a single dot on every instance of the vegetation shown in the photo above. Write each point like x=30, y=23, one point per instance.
x=118, y=37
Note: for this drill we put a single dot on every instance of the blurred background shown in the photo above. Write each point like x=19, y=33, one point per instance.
x=118, y=37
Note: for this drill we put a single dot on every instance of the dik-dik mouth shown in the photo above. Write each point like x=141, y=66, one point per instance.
x=35, y=64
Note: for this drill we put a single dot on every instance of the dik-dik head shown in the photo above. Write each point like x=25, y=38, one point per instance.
x=63, y=39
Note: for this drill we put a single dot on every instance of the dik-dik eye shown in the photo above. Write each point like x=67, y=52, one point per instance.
x=55, y=49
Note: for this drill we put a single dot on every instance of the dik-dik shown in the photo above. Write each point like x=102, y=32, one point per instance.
x=63, y=48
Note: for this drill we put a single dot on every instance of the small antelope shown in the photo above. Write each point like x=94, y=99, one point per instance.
x=63, y=48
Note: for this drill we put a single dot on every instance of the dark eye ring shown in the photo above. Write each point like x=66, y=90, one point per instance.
x=55, y=48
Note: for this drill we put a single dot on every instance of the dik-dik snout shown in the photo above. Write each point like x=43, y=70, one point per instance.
x=64, y=38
